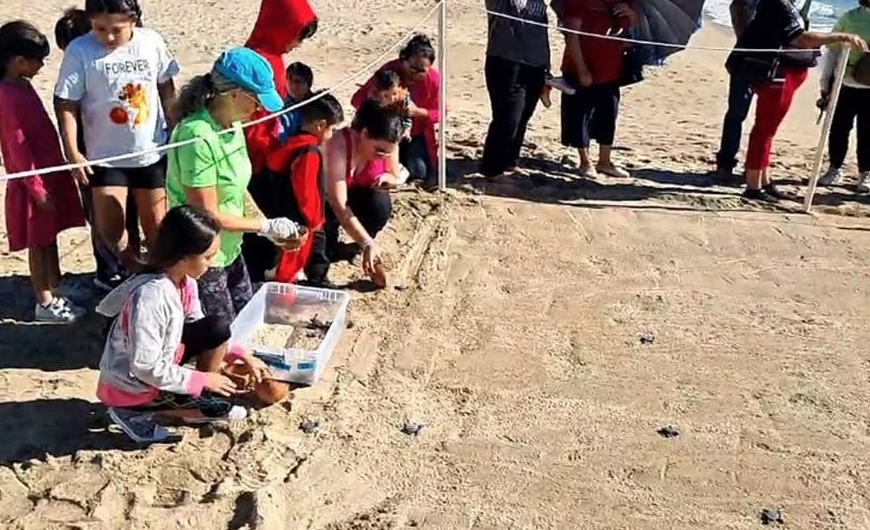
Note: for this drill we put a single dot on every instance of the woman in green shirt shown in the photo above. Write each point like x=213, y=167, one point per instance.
x=213, y=173
x=853, y=104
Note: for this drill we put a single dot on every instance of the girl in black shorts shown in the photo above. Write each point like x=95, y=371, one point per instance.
x=118, y=79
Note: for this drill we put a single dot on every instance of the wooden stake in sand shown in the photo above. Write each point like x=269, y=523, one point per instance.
x=442, y=102
x=840, y=72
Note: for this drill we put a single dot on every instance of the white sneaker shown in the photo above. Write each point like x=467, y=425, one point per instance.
x=831, y=177
x=561, y=85
x=864, y=182
x=60, y=310
x=236, y=413
x=76, y=309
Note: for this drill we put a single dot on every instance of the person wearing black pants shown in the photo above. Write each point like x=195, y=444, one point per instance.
x=517, y=61
x=373, y=209
x=514, y=89
x=852, y=106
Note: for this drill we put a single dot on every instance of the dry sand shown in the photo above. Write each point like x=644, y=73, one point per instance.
x=515, y=337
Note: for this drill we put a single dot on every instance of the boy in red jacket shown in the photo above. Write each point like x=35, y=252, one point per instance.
x=281, y=26
x=294, y=184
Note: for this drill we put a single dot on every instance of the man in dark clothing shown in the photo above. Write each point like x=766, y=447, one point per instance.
x=517, y=60
x=739, y=98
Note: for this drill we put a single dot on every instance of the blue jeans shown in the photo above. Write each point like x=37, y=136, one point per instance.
x=739, y=100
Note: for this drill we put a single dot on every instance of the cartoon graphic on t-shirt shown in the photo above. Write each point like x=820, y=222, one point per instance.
x=133, y=98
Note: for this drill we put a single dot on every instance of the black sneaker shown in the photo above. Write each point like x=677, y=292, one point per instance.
x=108, y=283
x=758, y=195
x=779, y=193
x=724, y=176
x=319, y=284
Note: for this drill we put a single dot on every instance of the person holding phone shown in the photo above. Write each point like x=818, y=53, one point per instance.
x=360, y=171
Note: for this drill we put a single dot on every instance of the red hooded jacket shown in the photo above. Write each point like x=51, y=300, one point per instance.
x=278, y=27
x=297, y=182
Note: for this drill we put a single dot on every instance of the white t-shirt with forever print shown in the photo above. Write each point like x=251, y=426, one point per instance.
x=117, y=93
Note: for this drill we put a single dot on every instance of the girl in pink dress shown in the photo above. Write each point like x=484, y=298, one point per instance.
x=41, y=206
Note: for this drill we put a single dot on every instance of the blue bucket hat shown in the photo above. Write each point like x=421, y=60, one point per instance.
x=251, y=72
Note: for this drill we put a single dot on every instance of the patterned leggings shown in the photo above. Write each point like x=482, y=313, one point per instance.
x=224, y=291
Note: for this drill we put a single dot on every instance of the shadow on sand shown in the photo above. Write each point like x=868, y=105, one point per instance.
x=56, y=427
x=47, y=347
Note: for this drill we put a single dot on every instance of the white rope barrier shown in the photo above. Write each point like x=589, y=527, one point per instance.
x=622, y=39
x=373, y=64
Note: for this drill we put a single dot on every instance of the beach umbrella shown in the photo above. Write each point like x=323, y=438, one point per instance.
x=665, y=21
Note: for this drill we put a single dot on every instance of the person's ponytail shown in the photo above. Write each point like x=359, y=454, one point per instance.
x=195, y=96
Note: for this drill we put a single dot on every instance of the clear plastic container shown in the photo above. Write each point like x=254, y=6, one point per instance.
x=302, y=309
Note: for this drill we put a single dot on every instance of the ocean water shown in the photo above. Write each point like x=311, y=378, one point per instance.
x=823, y=15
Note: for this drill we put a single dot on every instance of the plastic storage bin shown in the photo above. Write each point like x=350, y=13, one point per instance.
x=289, y=304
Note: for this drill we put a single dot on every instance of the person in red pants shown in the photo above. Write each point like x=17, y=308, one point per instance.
x=776, y=77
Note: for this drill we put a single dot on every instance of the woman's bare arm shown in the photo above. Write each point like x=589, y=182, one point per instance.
x=336, y=191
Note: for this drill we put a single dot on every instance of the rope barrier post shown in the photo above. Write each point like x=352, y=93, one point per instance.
x=840, y=73
x=442, y=97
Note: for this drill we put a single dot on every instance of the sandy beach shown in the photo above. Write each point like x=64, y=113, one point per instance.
x=542, y=328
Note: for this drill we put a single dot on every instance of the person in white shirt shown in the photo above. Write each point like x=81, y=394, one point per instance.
x=118, y=79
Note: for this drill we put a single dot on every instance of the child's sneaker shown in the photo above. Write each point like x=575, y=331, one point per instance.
x=561, y=85
x=59, y=310
x=76, y=309
x=141, y=428
x=108, y=283
x=233, y=413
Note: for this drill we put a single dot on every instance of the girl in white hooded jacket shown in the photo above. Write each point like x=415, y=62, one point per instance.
x=159, y=326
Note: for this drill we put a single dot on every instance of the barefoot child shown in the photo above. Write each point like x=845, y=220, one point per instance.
x=159, y=326
x=110, y=271
x=119, y=79
x=38, y=208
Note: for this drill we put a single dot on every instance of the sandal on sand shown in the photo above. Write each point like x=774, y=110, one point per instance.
x=612, y=170
x=141, y=428
x=588, y=171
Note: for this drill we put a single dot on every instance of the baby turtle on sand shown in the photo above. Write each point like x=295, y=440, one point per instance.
x=647, y=339
x=309, y=426
x=412, y=429
x=771, y=516
x=668, y=432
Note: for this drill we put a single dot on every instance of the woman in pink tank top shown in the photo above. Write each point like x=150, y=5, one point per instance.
x=360, y=171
